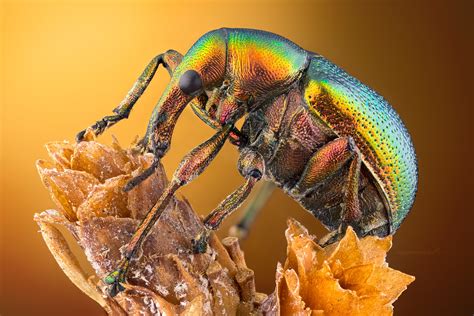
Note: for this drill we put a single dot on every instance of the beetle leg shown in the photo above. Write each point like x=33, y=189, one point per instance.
x=251, y=166
x=325, y=162
x=224, y=209
x=197, y=104
x=190, y=167
x=169, y=60
x=250, y=212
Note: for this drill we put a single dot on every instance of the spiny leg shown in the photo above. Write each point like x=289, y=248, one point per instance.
x=242, y=229
x=190, y=167
x=251, y=166
x=167, y=59
x=235, y=137
x=325, y=162
x=171, y=59
x=224, y=209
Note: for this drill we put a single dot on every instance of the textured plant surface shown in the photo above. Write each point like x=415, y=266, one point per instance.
x=85, y=181
x=350, y=277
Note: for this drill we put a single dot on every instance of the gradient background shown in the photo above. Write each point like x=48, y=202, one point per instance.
x=65, y=65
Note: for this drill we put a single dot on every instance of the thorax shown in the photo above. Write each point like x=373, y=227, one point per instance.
x=285, y=133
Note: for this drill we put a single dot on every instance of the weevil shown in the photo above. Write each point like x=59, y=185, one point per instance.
x=329, y=141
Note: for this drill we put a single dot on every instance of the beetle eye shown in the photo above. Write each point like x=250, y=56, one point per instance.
x=190, y=82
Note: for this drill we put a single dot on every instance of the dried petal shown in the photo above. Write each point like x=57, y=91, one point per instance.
x=68, y=188
x=326, y=294
x=61, y=153
x=142, y=198
x=389, y=282
x=99, y=160
x=107, y=199
x=225, y=294
x=347, y=251
x=165, y=276
x=375, y=249
x=69, y=263
x=291, y=301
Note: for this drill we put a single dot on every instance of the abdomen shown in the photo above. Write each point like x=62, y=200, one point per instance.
x=287, y=135
x=350, y=108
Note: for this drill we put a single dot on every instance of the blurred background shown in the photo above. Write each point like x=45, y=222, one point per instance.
x=66, y=64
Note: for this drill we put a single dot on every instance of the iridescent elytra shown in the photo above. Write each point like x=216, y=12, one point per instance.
x=329, y=141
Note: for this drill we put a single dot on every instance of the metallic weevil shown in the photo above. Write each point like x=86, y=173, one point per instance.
x=330, y=142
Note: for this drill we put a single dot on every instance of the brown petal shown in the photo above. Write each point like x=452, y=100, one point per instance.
x=137, y=300
x=224, y=292
x=389, y=282
x=142, y=198
x=303, y=254
x=61, y=153
x=195, y=308
x=107, y=199
x=68, y=262
x=290, y=299
x=355, y=276
x=325, y=293
x=99, y=160
x=373, y=305
x=68, y=188
x=347, y=251
x=101, y=238
x=375, y=249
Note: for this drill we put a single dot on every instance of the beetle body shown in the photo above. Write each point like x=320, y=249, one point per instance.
x=301, y=101
x=326, y=139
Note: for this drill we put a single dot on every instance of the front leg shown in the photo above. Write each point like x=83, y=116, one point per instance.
x=190, y=167
x=251, y=166
x=169, y=60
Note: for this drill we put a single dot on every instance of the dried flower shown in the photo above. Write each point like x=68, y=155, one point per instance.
x=85, y=181
x=350, y=277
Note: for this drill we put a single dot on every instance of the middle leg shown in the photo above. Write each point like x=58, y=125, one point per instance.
x=251, y=166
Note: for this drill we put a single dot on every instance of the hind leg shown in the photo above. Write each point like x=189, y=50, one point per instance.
x=242, y=228
x=325, y=162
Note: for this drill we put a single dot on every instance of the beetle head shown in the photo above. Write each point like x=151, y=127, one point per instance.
x=202, y=68
x=237, y=69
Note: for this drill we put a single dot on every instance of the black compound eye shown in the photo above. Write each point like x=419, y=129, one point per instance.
x=255, y=174
x=190, y=82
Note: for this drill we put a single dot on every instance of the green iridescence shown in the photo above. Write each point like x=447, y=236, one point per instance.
x=358, y=111
x=277, y=53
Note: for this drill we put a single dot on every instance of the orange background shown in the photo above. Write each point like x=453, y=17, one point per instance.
x=65, y=65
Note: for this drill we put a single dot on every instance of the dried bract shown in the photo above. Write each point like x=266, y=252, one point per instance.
x=86, y=183
x=350, y=277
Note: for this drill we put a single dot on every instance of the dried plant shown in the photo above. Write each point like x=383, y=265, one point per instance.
x=350, y=277
x=85, y=181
